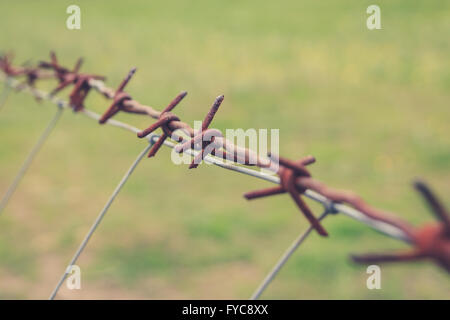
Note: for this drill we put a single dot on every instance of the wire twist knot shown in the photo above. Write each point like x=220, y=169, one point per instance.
x=119, y=99
x=205, y=138
x=68, y=77
x=289, y=172
x=163, y=122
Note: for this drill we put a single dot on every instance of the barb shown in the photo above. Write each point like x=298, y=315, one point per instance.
x=68, y=77
x=206, y=136
x=284, y=259
x=165, y=118
x=288, y=173
x=7, y=67
x=429, y=242
x=31, y=74
x=436, y=206
x=30, y=159
x=119, y=98
x=99, y=219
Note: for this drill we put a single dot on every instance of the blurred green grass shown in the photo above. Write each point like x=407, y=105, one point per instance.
x=372, y=106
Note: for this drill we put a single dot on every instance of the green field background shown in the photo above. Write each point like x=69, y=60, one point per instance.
x=372, y=106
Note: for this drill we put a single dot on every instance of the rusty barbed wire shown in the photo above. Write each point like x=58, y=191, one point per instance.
x=164, y=120
x=294, y=178
x=31, y=74
x=68, y=77
x=430, y=241
x=205, y=137
x=119, y=98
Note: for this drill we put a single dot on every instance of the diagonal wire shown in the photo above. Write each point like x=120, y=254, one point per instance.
x=26, y=164
x=284, y=259
x=5, y=94
x=99, y=218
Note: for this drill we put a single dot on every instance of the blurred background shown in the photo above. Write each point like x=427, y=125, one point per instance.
x=372, y=106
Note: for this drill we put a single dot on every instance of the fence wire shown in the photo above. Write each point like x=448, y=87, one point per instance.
x=284, y=259
x=26, y=164
x=99, y=219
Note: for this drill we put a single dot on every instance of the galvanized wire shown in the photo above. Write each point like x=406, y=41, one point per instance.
x=99, y=219
x=284, y=259
x=26, y=164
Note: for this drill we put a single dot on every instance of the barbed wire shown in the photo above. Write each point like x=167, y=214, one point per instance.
x=284, y=259
x=293, y=177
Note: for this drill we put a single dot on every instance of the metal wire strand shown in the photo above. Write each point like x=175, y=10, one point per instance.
x=284, y=259
x=100, y=218
x=26, y=164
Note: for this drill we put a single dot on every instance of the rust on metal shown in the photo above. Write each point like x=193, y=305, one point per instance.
x=205, y=137
x=32, y=74
x=68, y=77
x=119, y=98
x=289, y=171
x=7, y=67
x=165, y=118
x=431, y=241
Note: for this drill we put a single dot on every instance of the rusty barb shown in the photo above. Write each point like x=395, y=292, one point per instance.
x=31, y=74
x=289, y=171
x=68, y=77
x=163, y=122
x=119, y=98
x=7, y=67
x=431, y=241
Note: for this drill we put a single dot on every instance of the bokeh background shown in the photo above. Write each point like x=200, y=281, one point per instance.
x=372, y=106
